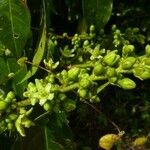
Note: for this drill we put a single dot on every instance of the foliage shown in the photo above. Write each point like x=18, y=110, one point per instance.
x=73, y=77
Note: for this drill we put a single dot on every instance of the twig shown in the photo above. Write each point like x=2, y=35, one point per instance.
x=98, y=111
x=28, y=62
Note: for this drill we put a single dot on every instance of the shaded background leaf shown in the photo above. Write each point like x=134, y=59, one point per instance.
x=96, y=12
x=14, y=25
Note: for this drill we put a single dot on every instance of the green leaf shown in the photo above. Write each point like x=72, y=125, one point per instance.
x=19, y=88
x=58, y=135
x=50, y=143
x=96, y=12
x=8, y=66
x=14, y=25
x=38, y=56
x=3, y=71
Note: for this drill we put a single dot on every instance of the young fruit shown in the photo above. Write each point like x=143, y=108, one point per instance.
x=140, y=141
x=126, y=84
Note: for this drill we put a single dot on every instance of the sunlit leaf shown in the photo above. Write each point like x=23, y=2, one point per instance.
x=37, y=57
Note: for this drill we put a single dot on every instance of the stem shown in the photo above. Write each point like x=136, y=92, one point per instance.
x=69, y=88
x=95, y=78
x=42, y=116
x=83, y=65
x=98, y=111
x=126, y=71
x=28, y=62
x=83, y=37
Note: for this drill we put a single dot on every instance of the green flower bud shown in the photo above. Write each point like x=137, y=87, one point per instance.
x=10, y=126
x=146, y=61
x=92, y=28
x=82, y=93
x=111, y=72
x=98, y=69
x=142, y=72
x=128, y=62
x=126, y=84
x=69, y=105
x=3, y=105
x=47, y=106
x=147, y=50
x=73, y=73
x=111, y=58
x=84, y=83
x=128, y=49
x=10, y=96
x=50, y=78
x=112, y=79
x=7, y=120
x=65, y=34
x=96, y=53
x=11, y=75
x=86, y=43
